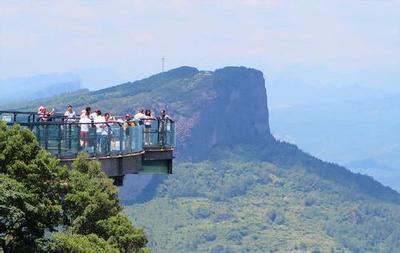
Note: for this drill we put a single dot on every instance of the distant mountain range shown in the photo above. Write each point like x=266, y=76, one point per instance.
x=353, y=130
x=35, y=87
x=235, y=187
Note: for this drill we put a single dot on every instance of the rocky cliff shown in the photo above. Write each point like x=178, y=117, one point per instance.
x=233, y=112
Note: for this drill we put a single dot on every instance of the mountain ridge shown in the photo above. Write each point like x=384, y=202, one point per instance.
x=214, y=109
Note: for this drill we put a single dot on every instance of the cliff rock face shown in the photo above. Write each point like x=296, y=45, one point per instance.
x=236, y=114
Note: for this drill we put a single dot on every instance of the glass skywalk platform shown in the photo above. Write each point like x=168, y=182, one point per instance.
x=120, y=147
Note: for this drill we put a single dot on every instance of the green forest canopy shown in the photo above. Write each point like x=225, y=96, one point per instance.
x=45, y=207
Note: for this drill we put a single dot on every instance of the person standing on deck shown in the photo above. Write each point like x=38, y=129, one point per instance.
x=44, y=114
x=163, y=126
x=69, y=118
x=101, y=131
x=85, y=123
x=70, y=115
x=147, y=127
x=139, y=117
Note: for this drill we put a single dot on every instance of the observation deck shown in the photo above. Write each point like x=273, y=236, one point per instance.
x=121, y=148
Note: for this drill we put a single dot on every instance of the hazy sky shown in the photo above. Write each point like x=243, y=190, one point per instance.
x=108, y=42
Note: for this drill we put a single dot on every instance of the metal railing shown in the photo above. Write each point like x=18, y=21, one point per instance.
x=65, y=139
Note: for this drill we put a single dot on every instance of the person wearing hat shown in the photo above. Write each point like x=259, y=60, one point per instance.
x=129, y=120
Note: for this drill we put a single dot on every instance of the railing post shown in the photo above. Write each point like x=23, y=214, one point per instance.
x=121, y=136
x=46, y=137
x=78, y=130
x=130, y=134
x=59, y=141
x=143, y=137
x=95, y=142
x=142, y=134
x=69, y=135
x=108, y=139
x=159, y=137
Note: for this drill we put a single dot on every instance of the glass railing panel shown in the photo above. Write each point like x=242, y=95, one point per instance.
x=23, y=118
x=90, y=145
x=170, y=134
x=150, y=133
x=7, y=117
x=166, y=133
x=71, y=145
x=60, y=140
x=127, y=139
x=136, y=138
x=16, y=117
x=103, y=142
x=50, y=138
x=66, y=140
x=159, y=134
x=117, y=138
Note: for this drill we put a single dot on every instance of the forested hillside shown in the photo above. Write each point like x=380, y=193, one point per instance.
x=246, y=205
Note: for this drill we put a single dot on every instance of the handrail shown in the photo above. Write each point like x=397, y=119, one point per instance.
x=34, y=116
x=65, y=139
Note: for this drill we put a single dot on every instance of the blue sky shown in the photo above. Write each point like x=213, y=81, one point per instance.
x=108, y=42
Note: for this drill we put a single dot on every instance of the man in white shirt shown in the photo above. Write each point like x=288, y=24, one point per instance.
x=101, y=131
x=164, y=125
x=93, y=115
x=70, y=115
x=139, y=116
x=99, y=121
x=164, y=115
x=85, y=124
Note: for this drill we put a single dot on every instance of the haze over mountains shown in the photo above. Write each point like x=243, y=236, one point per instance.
x=357, y=124
x=35, y=87
x=235, y=188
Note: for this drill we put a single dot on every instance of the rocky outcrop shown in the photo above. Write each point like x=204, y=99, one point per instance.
x=237, y=113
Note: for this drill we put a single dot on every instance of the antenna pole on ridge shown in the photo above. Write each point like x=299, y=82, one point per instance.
x=162, y=64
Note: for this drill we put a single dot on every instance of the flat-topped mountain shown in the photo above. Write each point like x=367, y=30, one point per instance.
x=234, y=183
x=224, y=107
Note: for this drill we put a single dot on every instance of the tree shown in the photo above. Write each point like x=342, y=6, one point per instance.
x=91, y=197
x=122, y=234
x=67, y=243
x=46, y=207
x=16, y=206
x=37, y=182
x=93, y=207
